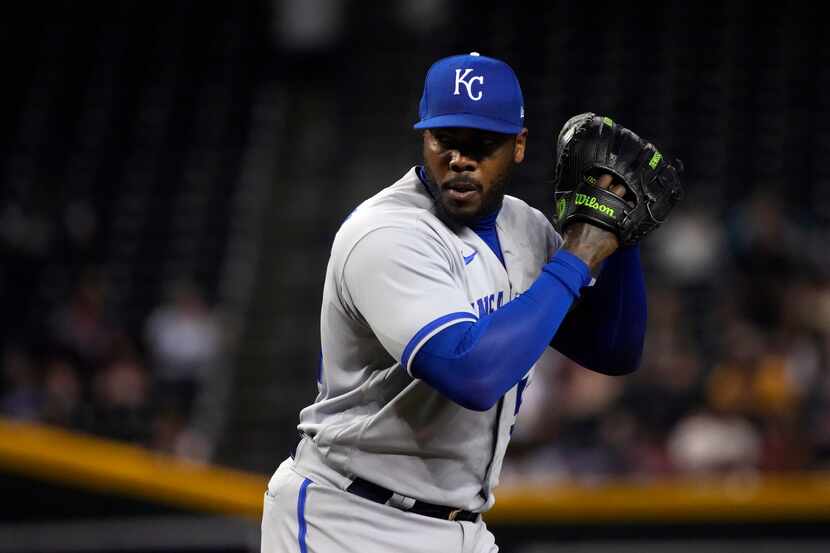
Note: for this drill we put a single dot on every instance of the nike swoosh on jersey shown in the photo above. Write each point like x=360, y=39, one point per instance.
x=469, y=258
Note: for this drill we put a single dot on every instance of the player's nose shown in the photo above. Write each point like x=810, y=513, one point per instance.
x=461, y=162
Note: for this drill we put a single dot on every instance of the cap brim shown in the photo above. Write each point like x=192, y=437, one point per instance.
x=468, y=121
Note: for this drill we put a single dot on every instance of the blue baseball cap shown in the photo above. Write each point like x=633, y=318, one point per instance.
x=472, y=91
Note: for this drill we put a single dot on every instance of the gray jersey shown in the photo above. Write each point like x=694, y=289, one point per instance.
x=398, y=275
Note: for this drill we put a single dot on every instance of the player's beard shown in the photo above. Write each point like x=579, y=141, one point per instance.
x=491, y=199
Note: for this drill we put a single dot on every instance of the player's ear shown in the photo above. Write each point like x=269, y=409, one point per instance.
x=519, y=146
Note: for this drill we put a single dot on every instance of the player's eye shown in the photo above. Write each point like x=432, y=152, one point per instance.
x=444, y=140
x=478, y=144
x=490, y=144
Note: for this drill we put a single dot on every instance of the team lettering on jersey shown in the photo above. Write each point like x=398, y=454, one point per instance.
x=488, y=304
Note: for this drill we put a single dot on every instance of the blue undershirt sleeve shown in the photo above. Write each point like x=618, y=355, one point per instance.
x=474, y=364
x=606, y=329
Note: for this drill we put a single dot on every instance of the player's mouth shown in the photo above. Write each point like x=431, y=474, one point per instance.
x=461, y=190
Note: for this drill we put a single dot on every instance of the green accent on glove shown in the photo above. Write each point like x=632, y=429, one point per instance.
x=655, y=159
x=560, y=208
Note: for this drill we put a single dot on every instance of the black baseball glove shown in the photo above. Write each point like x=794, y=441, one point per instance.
x=589, y=146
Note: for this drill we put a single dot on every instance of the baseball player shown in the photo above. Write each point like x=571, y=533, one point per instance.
x=441, y=293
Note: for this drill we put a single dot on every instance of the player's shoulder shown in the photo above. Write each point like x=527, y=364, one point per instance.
x=529, y=225
x=518, y=212
x=405, y=206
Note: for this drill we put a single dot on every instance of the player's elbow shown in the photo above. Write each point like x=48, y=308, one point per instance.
x=478, y=398
x=479, y=403
x=466, y=392
x=619, y=365
x=628, y=359
x=621, y=370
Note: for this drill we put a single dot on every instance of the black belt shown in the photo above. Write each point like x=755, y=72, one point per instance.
x=379, y=494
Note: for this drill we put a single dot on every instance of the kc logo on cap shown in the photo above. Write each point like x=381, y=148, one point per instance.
x=472, y=91
x=459, y=79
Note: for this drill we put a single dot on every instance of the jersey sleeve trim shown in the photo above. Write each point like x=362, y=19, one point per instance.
x=428, y=331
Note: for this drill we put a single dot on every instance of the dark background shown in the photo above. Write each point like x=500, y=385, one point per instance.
x=190, y=162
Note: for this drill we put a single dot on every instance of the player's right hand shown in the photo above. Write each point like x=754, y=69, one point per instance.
x=590, y=243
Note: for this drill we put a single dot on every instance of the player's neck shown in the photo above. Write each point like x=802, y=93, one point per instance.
x=486, y=222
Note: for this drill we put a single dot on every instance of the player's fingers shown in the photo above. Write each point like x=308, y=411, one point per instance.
x=618, y=189
x=607, y=182
x=604, y=181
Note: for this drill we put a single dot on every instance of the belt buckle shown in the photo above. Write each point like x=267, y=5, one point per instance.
x=453, y=514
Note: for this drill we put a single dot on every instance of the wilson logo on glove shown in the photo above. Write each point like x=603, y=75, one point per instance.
x=593, y=203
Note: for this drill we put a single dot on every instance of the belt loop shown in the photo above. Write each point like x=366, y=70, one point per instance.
x=401, y=501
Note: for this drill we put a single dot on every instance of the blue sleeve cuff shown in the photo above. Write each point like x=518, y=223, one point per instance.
x=570, y=270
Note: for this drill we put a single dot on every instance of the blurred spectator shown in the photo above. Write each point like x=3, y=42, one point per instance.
x=82, y=327
x=168, y=426
x=24, y=230
x=22, y=394
x=173, y=434
x=707, y=442
x=62, y=393
x=121, y=396
x=689, y=247
x=184, y=341
x=767, y=249
x=819, y=424
x=308, y=24
x=81, y=223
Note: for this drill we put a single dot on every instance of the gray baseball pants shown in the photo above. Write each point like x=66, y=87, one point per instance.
x=301, y=516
